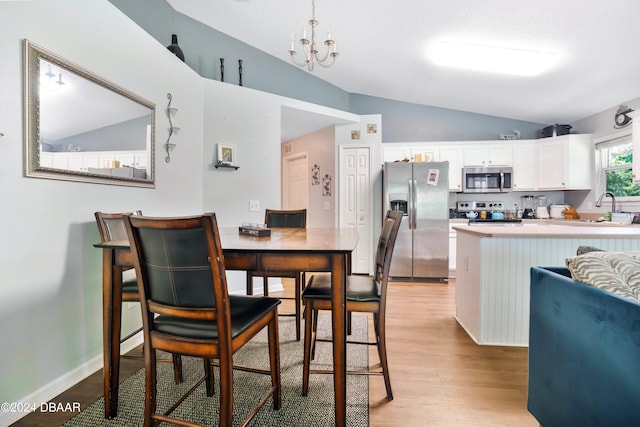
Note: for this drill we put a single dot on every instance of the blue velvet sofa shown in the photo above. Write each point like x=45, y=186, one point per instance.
x=584, y=353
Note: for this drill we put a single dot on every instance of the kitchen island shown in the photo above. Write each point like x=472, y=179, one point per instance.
x=492, y=271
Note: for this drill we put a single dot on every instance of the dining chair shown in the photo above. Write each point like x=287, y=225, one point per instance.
x=293, y=218
x=111, y=228
x=364, y=294
x=187, y=309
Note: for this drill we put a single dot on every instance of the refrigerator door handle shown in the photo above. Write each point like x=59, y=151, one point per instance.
x=410, y=204
x=414, y=204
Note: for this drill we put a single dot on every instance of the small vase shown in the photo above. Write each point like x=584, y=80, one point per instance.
x=174, y=48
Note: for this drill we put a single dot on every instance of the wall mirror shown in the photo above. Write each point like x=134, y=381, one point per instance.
x=81, y=127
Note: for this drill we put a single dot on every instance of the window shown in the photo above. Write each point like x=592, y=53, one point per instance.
x=614, y=171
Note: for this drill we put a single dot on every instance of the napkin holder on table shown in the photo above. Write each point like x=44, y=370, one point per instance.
x=247, y=230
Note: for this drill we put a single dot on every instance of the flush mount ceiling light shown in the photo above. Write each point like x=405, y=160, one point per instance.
x=492, y=58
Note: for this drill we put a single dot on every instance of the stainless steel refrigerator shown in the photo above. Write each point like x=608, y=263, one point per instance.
x=421, y=192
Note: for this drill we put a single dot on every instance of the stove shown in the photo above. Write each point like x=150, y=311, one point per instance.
x=463, y=207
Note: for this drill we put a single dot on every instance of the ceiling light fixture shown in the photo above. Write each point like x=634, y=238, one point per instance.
x=492, y=58
x=309, y=48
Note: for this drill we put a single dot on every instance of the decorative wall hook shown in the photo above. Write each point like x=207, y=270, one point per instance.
x=240, y=71
x=221, y=69
x=171, y=111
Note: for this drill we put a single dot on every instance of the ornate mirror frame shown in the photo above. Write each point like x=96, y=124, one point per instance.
x=83, y=145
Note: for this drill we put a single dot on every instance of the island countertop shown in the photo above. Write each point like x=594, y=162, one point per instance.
x=546, y=230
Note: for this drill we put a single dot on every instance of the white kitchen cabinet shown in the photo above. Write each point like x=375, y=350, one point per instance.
x=635, y=138
x=454, y=155
x=488, y=155
x=395, y=153
x=452, y=250
x=565, y=162
x=425, y=153
x=524, y=166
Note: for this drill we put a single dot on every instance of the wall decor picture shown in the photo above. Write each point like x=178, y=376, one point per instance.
x=326, y=185
x=355, y=134
x=372, y=128
x=315, y=175
x=227, y=155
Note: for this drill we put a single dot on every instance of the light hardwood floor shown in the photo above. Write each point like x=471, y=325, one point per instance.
x=440, y=377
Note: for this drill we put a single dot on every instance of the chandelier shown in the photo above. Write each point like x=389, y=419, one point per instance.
x=309, y=48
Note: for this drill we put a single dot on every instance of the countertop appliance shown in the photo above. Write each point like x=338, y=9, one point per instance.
x=421, y=192
x=494, y=179
x=491, y=207
x=528, y=203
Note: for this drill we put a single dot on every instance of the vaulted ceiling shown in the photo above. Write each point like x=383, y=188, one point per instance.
x=384, y=49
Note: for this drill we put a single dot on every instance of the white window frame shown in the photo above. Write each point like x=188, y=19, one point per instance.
x=607, y=141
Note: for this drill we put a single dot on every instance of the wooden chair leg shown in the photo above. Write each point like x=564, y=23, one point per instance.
x=226, y=392
x=210, y=382
x=314, y=332
x=150, y=388
x=274, y=358
x=381, y=340
x=249, y=283
x=177, y=368
x=298, y=302
x=306, y=359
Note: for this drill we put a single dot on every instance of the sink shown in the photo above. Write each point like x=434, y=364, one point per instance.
x=622, y=217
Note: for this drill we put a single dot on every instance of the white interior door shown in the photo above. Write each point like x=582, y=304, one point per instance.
x=356, y=202
x=295, y=194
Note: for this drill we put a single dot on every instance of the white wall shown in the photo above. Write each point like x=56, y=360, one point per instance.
x=50, y=293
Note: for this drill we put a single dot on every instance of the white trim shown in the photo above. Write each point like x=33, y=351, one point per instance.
x=612, y=136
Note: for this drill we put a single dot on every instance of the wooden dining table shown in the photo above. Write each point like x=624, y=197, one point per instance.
x=286, y=249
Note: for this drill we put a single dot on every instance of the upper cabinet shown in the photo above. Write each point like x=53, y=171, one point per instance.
x=396, y=153
x=556, y=163
x=454, y=155
x=565, y=162
x=485, y=155
x=524, y=166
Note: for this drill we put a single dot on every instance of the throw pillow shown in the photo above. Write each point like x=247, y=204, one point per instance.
x=617, y=272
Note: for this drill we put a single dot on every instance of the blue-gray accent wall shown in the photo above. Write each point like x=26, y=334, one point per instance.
x=203, y=47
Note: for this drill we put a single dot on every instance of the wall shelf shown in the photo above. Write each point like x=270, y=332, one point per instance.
x=225, y=165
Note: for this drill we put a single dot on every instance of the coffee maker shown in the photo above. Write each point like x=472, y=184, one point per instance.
x=528, y=203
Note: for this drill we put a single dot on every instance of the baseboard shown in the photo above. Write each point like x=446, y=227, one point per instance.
x=65, y=382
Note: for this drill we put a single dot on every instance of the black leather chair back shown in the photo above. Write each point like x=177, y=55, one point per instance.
x=285, y=218
x=180, y=260
x=177, y=266
x=386, y=243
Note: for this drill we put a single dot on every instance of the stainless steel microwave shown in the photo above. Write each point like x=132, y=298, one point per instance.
x=496, y=179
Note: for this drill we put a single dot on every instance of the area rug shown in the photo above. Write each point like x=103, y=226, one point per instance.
x=316, y=409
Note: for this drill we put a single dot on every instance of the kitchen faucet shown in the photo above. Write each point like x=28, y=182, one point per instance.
x=613, y=200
